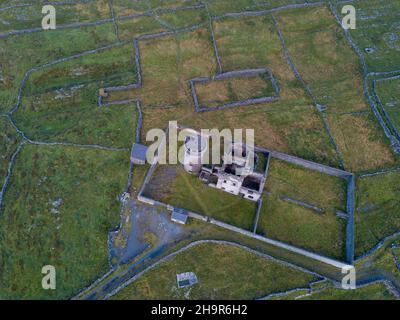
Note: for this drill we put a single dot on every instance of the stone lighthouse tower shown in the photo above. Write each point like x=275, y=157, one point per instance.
x=195, y=149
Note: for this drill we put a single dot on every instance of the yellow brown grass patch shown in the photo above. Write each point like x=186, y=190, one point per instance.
x=361, y=142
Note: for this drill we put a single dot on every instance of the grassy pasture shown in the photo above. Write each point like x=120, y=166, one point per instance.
x=128, y=7
x=389, y=94
x=225, y=272
x=290, y=125
x=216, y=93
x=138, y=26
x=20, y=53
x=382, y=262
x=72, y=115
x=294, y=130
x=361, y=141
x=287, y=222
x=68, y=216
x=100, y=67
x=316, y=42
x=375, y=291
x=378, y=209
x=173, y=185
x=28, y=17
x=167, y=65
x=378, y=28
x=9, y=140
x=219, y=7
x=322, y=190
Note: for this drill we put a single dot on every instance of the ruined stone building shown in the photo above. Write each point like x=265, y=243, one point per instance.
x=234, y=174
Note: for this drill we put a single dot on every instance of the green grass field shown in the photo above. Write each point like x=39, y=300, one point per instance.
x=378, y=29
x=223, y=274
x=339, y=87
x=127, y=7
x=298, y=225
x=21, y=53
x=179, y=188
x=301, y=227
x=31, y=17
x=9, y=140
x=101, y=68
x=378, y=209
x=375, y=291
x=67, y=202
x=316, y=188
x=216, y=93
x=383, y=262
x=133, y=28
x=388, y=92
x=72, y=115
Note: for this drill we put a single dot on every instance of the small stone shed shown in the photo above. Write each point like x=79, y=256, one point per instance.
x=186, y=279
x=138, y=154
x=179, y=216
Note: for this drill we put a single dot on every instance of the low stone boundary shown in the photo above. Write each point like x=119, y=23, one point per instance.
x=303, y=204
x=158, y=35
x=199, y=242
x=298, y=161
x=391, y=287
x=321, y=109
x=213, y=40
x=257, y=217
x=350, y=221
x=279, y=244
x=380, y=244
x=234, y=74
x=197, y=216
x=60, y=27
x=367, y=175
x=307, y=164
x=263, y=181
x=394, y=142
x=380, y=279
x=69, y=144
x=290, y=61
x=309, y=290
x=135, y=85
x=161, y=11
x=112, y=13
x=382, y=107
x=9, y=172
x=52, y=63
x=92, y=285
x=267, y=11
x=32, y=3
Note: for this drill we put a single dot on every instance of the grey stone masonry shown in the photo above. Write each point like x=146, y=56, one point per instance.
x=350, y=222
x=303, y=204
x=307, y=164
x=257, y=217
x=279, y=244
x=234, y=74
